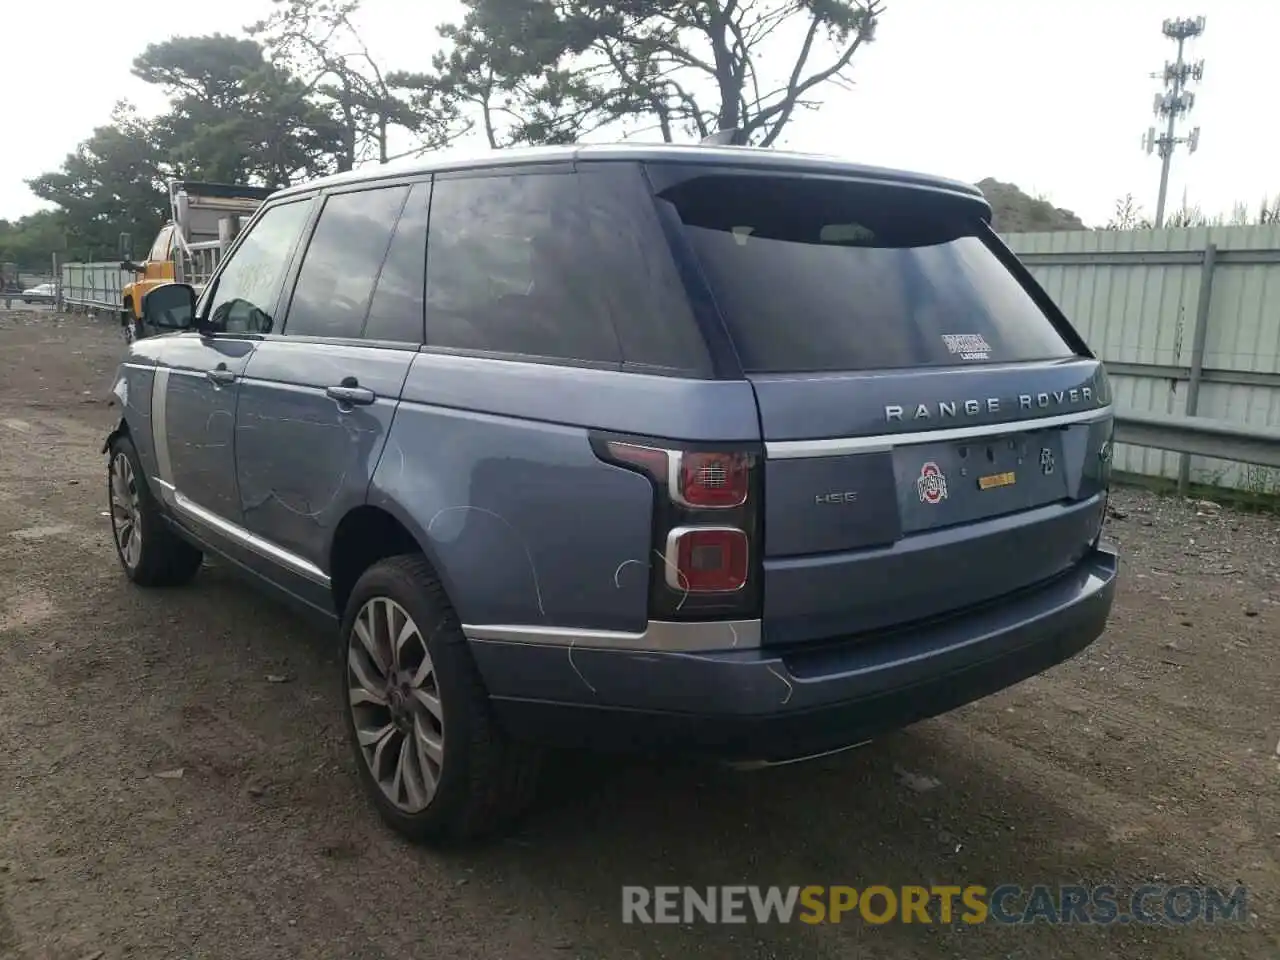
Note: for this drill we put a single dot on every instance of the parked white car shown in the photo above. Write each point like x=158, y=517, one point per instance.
x=41, y=291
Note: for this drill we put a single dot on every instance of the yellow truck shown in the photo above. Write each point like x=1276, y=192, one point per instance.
x=203, y=220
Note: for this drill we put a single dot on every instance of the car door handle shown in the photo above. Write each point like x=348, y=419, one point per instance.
x=351, y=394
x=221, y=375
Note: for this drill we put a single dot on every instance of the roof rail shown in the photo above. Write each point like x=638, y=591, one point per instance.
x=734, y=137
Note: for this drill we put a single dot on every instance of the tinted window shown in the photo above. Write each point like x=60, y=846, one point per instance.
x=565, y=266
x=823, y=276
x=342, y=262
x=396, y=310
x=249, y=285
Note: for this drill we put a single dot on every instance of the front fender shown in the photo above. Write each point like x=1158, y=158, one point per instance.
x=132, y=391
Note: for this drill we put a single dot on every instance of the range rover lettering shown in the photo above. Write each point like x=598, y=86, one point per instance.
x=708, y=450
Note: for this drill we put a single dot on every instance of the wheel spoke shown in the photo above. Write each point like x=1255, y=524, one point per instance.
x=392, y=638
x=365, y=689
x=429, y=744
x=410, y=775
x=431, y=702
x=119, y=491
x=133, y=550
x=378, y=761
x=370, y=643
x=408, y=630
x=425, y=669
x=376, y=738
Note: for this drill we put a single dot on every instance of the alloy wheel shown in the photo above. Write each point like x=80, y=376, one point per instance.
x=395, y=704
x=126, y=511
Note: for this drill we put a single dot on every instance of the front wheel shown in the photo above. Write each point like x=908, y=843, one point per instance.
x=429, y=752
x=151, y=554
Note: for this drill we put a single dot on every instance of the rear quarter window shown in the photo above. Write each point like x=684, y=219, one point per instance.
x=815, y=275
x=558, y=266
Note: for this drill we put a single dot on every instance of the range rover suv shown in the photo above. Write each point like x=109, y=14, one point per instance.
x=715, y=450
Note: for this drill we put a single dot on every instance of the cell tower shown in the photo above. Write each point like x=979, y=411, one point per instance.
x=1175, y=103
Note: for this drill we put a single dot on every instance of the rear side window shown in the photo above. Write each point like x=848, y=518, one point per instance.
x=342, y=263
x=568, y=266
x=395, y=313
x=822, y=275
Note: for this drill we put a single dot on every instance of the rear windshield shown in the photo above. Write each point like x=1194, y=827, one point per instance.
x=821, y=275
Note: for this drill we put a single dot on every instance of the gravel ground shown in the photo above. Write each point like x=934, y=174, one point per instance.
x=160, y=797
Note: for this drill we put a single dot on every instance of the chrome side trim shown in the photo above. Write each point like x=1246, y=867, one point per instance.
x=160, y=432
x=661, y=635
x=250, y=541
x=838, y=447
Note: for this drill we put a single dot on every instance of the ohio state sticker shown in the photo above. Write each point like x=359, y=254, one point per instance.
x=932, y=483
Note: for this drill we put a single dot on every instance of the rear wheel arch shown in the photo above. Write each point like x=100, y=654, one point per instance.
x=366, y=535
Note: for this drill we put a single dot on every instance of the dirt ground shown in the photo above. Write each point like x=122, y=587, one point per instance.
x=1151, y=757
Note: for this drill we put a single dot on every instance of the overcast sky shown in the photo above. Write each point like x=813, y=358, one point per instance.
x=1051, y=96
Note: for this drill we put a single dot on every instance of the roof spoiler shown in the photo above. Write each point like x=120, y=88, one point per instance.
x=734, y=137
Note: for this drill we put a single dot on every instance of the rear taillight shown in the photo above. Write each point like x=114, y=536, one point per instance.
x=707, y=559
x=706, y=549
x=711, y=480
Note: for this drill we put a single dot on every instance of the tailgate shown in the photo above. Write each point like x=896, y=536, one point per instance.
x=867, y=529
x=932, y=424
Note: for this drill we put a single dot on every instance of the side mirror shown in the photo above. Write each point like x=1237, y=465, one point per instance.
x=126, y=246
x=171, y=306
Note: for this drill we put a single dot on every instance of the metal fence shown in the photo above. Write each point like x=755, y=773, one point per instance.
x=1187, y=322
x=93, y=286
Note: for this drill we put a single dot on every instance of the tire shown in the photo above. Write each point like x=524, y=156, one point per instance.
x=483, y=780
x=150, y=553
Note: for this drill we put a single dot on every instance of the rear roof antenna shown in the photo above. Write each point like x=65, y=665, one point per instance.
x=734, y=137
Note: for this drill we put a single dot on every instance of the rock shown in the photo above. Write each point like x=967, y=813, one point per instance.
x=918, y=782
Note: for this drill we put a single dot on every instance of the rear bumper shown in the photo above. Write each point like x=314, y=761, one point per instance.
x=776, y=705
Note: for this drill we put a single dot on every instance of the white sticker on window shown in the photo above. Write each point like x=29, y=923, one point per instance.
x=969, y=346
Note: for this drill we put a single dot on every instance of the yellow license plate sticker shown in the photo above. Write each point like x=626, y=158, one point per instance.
x=997, y=480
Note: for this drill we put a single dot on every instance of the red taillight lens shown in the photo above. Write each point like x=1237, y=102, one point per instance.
x=707, y=559
x=707, y=526
x=712, y=480
x=651, y=460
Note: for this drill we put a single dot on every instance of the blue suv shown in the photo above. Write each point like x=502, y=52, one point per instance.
x=706, y=449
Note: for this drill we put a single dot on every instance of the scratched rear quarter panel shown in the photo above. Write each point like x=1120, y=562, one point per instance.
x=489, y=464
